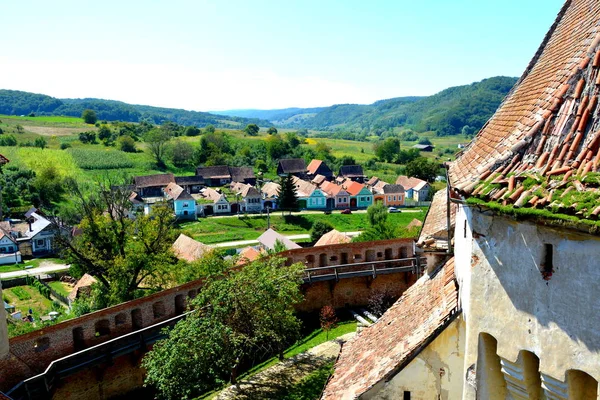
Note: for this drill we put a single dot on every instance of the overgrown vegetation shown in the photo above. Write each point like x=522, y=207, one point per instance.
x=241, y=315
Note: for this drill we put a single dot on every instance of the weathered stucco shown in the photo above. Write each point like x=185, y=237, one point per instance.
x=435, y=374
x=504, y=294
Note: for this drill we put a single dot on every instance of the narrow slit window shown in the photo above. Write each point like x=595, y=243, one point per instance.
x=547, y=261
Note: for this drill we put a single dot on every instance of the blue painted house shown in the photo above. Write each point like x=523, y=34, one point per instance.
x=360, y=195
x=184, y=204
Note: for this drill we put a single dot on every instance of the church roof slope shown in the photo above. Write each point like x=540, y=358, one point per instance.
x=434, y=233
x=543, y=141
x=383, y=349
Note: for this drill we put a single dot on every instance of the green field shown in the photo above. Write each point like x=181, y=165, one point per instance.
x=61, y=288
x=225, y=229
x=38, y=303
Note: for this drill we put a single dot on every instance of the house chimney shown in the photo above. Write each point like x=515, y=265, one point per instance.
x=29, y=222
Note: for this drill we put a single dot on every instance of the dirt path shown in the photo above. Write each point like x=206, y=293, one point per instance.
x=285, y=374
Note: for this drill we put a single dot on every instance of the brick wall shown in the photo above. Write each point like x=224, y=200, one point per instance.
x=31, y=353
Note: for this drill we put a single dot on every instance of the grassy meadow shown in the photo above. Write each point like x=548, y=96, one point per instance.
x=226, y=229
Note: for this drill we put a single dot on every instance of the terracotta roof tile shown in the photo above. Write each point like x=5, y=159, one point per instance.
x=188, y=249
x=436, y=222
x=383, y=349
x=333, y=237
x=547, y=124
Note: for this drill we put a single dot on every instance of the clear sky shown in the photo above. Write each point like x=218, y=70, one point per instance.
x=227, y=54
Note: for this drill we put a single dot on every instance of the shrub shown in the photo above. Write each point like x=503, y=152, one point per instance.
x=8, y=140
x=64, y=146
x=127, y=144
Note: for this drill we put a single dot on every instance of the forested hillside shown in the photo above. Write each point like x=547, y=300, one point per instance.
x=13, y=102
x=460, y=109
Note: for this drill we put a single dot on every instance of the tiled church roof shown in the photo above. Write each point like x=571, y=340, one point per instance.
x=547, y=128
x=384, y=348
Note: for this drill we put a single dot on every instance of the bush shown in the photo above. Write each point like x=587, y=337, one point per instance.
x=126, y=144
x=319, y=229
x=8, y=140
x=64, y=146
x=40, y=287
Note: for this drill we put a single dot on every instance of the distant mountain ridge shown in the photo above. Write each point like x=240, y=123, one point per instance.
x=15, y=102
x=460, y=109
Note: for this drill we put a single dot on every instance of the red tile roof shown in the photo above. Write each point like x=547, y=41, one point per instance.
x=331, y=188
x=354, y=188
x=383, y=349
x=546, y=126
x=409, y=183
x=332, y=237
x=313, y=166
x=247, y=255
x=434, y=233
x=188, y=249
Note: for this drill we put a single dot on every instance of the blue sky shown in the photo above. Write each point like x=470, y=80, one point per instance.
x=226, y=54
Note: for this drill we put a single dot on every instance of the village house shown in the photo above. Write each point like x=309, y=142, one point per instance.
x=360, y=196
x=35, y=236
x=337, y=197
x=210, y=201
x=191, y=184
x=393, y=195
x=270, y=195
x=269, y=239
x=318, y=180
x=319, y=167
x=184, y=204
x=309, y=195
x=424, y=147
x=218, y=175
x=9, y=248
x=353, y=172
x=416, y=189
x=188, y=249
x=332, y=237
x=292, y=166
x=151, y=186
x=251, y=198
x=511, y=311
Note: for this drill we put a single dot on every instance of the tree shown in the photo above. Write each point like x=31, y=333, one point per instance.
x=192, y=131
x=40, y=142
x=20, y=128
x=319, y=229
x=272, y=130
x=424, y=140
x=377, y=214
x=157, y=139
x=89, y=116
x=379, y=227
x=128, y=257
x=126, y=144
x=251, y=129
x=50, y=187
x=261, y=165
x=422, y=168
x=105, y=134
x=241, y=314
x=209, y=129
x=387, y=150
x=328, y=319
x=87, y=137
x=181, y=153
x=288, y=195
x=276, y=146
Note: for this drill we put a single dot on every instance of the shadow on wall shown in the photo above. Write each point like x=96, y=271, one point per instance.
x=548, y=273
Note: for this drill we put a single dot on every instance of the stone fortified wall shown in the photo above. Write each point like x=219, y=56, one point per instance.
x=31, y=353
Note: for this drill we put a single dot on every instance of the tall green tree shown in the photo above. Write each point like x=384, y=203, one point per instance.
x=252, y=129
x=422, y=168
x=319, y=229
x=128, y=257
x=387, y=150
x=240, y=315
x=272, y=130
x=89, y=116
x=288, y=195
x=379, y=226
x=157, y=140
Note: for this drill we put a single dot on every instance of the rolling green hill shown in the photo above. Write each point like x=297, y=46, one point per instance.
x=460, y=109
x=14, y=102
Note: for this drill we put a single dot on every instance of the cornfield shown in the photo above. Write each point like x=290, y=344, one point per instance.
x=100, y=159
